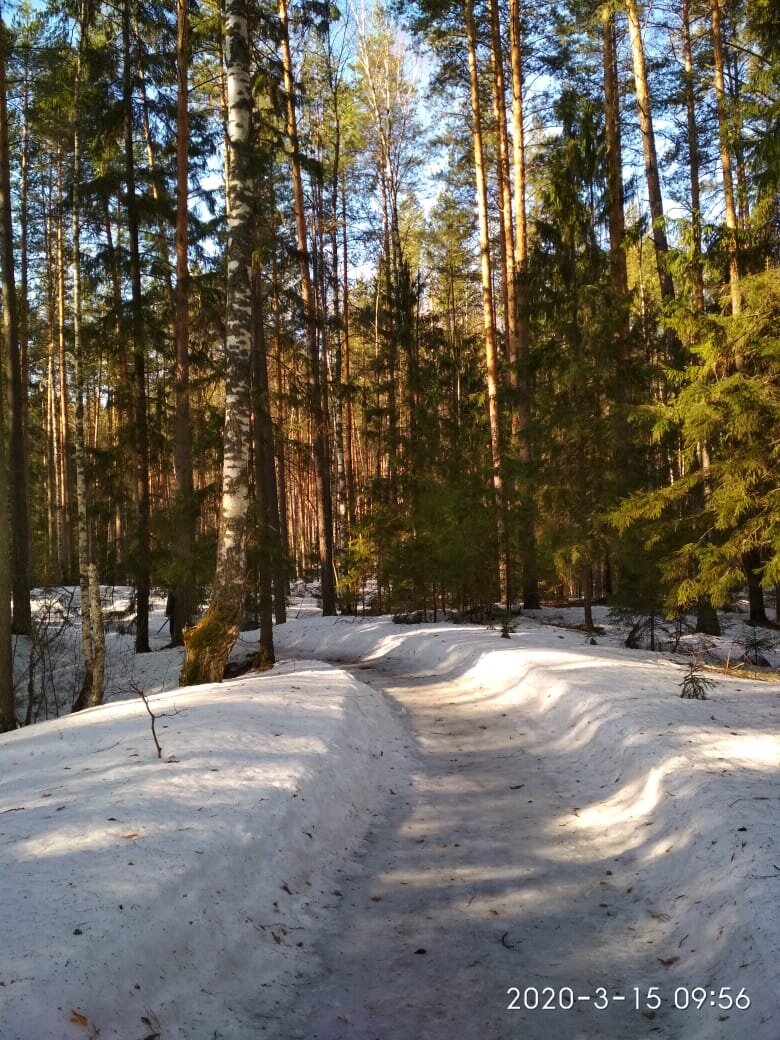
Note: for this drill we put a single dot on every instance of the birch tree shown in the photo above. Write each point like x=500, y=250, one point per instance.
x=208, y=644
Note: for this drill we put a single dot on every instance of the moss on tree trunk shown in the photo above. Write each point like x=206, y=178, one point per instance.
x=207, y=645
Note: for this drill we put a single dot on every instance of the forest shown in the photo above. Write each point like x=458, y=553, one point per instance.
x=438, y=305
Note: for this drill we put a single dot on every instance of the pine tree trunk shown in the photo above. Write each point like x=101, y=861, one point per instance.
x=266, y=504
x=724, y=136
x=655, y=197
x=208, y=644
x=65, y=500
x=186, y=509
x=16, y=392
x=7, y=706
x=694, y=164
x=527, y=517
x=91, y=626
x=349, y=456
x=751, y=563
x=319, y=429
x=488, y=316
x=281, y=583
x=617, y=224
x=142, y=534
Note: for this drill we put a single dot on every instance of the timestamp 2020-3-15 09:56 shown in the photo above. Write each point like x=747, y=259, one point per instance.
x=637, y=998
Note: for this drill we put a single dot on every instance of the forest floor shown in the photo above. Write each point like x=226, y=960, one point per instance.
x=400, y=843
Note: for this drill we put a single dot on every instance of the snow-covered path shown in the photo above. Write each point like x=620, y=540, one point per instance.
x=549, y=824
x=479, y=881
x=459, y=900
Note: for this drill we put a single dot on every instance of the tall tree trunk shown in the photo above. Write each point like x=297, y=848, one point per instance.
x=281, y=586
x=208, y=644
x=655, y=197
x=16, y=392
x=523, y=431
x=694, y=163
x=91, y=614
x=488, y=316
x=319, y=429
x=349, y=458
x=142, y=535
x=724, y=137
x=7, y=706
x=751, y=563
x=184, y=595
x=24, y=261
x=266, y=500
x=615, y=196
x=504, y=195
x=65, y=502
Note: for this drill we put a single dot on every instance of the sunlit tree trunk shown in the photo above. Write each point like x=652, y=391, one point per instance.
x=617, y=224
x=694, y=164
x=655, y=197
x=142, y=545
x=725, y=157
x=20, y=523
x=208, y=644
x=319, y=429
x=7, y=708
x=266, y=501
x=488, y=316
x=523, y=404
x=91, y=692
x=184, y=594
x=64, y=498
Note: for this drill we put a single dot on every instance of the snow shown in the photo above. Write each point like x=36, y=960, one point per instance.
x=529, y=811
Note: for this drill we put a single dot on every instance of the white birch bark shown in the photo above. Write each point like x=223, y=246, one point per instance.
x=208, y=643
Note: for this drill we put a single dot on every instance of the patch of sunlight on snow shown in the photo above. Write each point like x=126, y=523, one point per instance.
x=634, y=800
x=758, y=750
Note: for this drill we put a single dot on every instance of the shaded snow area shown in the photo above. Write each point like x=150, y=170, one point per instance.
x=143, y=896
x=400, y=844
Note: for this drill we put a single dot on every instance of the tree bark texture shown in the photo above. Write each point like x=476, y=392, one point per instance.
x=724, y=135
x=208, y=644
x=655, y=198
x=142, y=534
x=615, y=195
x=184, y=596
x=694, y=163
x=92, y=638
x=15, y=390
x=319, y=429
x=488, y=314
x=527, y=512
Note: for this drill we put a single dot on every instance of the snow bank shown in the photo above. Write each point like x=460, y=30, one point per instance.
x=141, y=895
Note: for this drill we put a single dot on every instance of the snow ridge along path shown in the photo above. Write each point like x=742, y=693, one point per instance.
x=144, y=897
x=573, y=833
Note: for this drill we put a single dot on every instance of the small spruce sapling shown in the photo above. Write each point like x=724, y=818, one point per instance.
x=695, y=684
